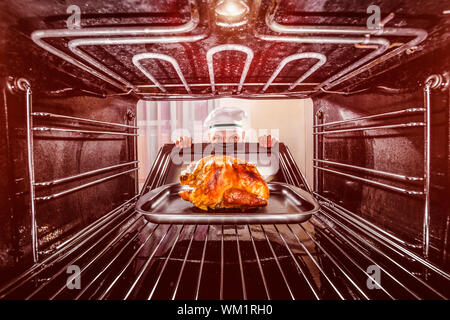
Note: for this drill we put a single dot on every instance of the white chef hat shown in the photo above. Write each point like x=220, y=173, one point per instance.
x=226, y=118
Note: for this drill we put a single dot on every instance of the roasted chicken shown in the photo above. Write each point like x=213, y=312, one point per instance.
x=225, y=182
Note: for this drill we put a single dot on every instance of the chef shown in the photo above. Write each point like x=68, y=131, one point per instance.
x=226, y=125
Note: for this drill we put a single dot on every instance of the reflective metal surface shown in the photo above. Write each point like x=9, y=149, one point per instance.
x=287, y=204
x=135, y=259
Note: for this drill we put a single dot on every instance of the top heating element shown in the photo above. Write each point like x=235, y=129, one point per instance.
x=275, y=49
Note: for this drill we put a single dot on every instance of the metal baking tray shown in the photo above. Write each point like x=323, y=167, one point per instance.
x=287, y=204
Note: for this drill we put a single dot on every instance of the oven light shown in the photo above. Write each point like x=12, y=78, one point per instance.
x=231, y=8
x=231, y=13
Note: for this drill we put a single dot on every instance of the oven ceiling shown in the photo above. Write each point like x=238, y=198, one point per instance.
x=165, y=54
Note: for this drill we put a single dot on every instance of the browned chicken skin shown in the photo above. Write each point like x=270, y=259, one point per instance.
x=225, y=182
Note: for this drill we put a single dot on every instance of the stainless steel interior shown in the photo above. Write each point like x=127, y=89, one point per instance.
x=381, y=151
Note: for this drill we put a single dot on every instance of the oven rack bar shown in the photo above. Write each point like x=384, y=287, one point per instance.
x=145, y=266
x=291, y=177
x=427, y=166
x=409, y=192
x=30, y=165
x=82, y=175
x=258, y=259
x=222, y=263
x=135, y=155
x=364, y=273
x=357, y=247
x=166, y=260
x=85, y=120
x=291, y=294
x=241, y=267
x=372, y=171
x=400, y=177
x=158, y=172
x=93, y=228
x=184, y=264
x=132, y=239
x=432, y=82
x=108, y=261
x=339, y=267
x=374, y=116
x=130, y=261
x=312, y=286
x=30, y=129
x=202, y=264
x=413, y=244
x=45, y=129
x=77, y=188
x=185, y=97
x=390, y=126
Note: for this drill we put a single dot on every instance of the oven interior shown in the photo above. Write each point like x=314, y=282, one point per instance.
x=72, y=76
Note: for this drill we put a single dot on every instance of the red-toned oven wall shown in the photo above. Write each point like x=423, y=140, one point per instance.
x=58, y=155
x=392, y=150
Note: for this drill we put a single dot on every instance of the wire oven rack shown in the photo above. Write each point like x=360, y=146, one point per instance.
x=130, y=131
x=123, y=256
x=323, y=165
x=126, y=257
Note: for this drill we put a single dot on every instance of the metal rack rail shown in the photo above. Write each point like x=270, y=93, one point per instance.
x=134, y=259
x=30, y=129
x=381, y=173
x=81, y=120
x=325, y=165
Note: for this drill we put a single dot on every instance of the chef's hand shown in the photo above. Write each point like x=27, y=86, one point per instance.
x=267, y=141
x=183, y=142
